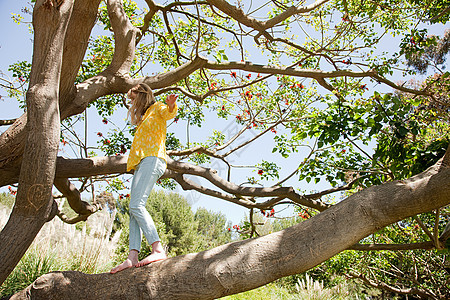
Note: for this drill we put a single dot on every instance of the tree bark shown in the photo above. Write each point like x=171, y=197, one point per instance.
x=244, y=265
x=34, y=203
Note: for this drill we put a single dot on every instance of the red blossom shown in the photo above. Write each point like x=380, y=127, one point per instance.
x=105, y=121
x=106, y=142
x=364, y=87
x=301, y=86
x=223, y=107
x=233, y=74
x=239, y=117
x=273, y=130
x=248, y=94
x=123, y=150
x=11, y=191
x=176, y=120
x=260, y=172
x=348, y=61
x=99, y=134
x=303, y=215
x=248, y=76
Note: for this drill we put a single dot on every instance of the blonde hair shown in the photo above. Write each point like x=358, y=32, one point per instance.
x=143, y=100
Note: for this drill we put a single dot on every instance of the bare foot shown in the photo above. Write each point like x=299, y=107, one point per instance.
x=131, y=261
x=125, y=265
x=156, y=256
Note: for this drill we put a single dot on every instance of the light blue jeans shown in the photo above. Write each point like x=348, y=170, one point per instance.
x=146, y=173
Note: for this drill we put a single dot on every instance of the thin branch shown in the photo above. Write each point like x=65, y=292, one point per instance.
x=74, y=220
x=429, y=245
x=436, y=241
x=74, y=197
x=424, y=228
x=442, y=13
x=319, y=195
x=382, y=285
x=7, y=122
x=279, y=183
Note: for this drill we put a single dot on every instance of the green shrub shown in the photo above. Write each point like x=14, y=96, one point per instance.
x=34, y=264
x=181, y=231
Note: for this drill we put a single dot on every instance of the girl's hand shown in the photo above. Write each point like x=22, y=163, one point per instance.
x=171, y=101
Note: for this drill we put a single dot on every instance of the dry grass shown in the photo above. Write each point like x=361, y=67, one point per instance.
x=60, y=246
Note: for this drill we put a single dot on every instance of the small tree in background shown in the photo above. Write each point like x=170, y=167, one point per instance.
x=180, y=230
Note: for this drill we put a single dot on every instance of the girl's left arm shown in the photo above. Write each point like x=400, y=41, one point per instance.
x=169, y=111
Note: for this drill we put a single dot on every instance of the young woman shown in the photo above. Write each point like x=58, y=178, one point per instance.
x=148, y=160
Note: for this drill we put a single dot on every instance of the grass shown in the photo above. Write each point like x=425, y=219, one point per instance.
x=304, y=289
x=60, y=246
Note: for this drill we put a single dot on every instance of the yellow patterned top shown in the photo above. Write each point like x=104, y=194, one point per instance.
x=150, y=136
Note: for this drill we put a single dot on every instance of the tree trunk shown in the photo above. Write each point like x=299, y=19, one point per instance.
x=12, y=141
x=34, y=201
x=244, y=265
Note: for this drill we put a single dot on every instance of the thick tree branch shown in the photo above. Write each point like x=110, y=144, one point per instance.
x=124, y=38
x=247, y=264
x=74, y=197
x=73, y=168
x=76, y=41
x=314, y=74
x=229, y=187
x=238, y=14
x=189, y=185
